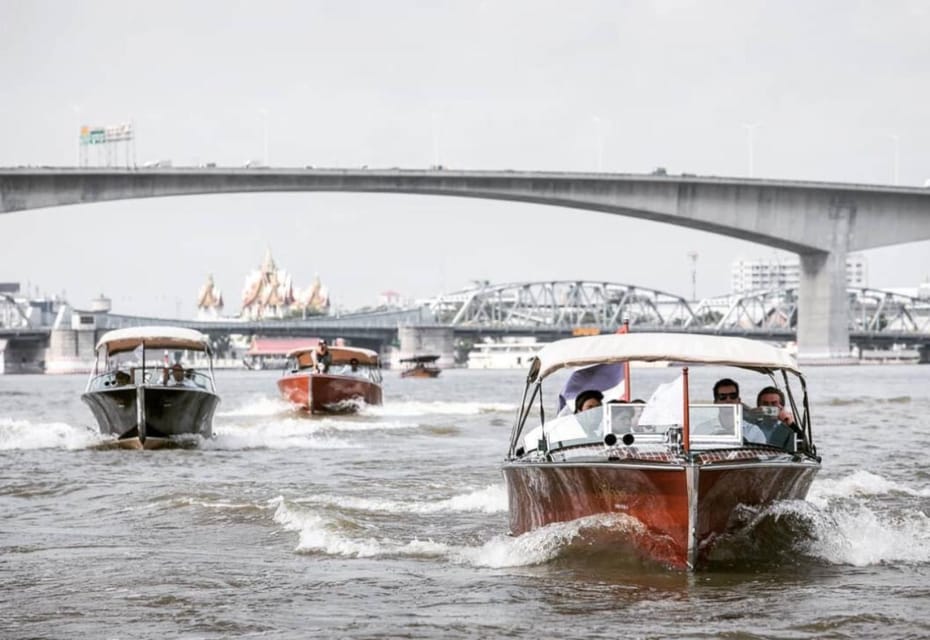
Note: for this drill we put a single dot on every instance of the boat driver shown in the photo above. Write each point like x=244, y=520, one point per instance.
x=177, y=373
x=322, y=357
x=726, y=391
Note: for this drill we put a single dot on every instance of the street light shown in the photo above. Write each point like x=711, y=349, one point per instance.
x=750, y=130
x=264, y=113
x=693, y=255
x=77, y=118
x=434, y=119
x=897, y=149
x=599, y=123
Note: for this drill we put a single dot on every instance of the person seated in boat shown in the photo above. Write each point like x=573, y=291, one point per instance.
x=177, y=374
x=322, y=357
x=121, y=378
x=588, y=400
x=726, y=391
x=772, y=419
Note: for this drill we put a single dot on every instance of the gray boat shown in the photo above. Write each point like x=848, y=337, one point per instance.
x=153, y=387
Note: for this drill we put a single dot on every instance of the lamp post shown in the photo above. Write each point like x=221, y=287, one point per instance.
x=693, y=256
x=264, y=112
x=750, y=130
x=599, y=123
x=897, y=154
x=434, y=119
x=77, y=118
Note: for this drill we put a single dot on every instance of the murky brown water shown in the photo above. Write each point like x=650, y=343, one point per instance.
x=393, y=523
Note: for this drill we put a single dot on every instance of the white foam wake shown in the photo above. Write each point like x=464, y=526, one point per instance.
x=318, y=533
x=859, y=484
x=22, y=434
x=491, y=499
x=258, y=406
x=438, y=407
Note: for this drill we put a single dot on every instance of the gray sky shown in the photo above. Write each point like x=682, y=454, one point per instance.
x=574, y=86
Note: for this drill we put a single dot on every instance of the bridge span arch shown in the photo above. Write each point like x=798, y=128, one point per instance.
x=821, y=222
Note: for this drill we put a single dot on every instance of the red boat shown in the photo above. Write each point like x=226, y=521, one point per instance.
x=682, y=469
x=353, y=379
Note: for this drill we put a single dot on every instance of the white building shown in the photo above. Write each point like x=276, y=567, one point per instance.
x=753, y=275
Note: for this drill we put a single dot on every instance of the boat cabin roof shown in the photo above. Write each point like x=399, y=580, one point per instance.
x=340, y=355
x=651, y=347
x=121, y=340
x=420, y=359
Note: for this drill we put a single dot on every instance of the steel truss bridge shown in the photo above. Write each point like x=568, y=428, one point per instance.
x=876, y=317
x=552, y=309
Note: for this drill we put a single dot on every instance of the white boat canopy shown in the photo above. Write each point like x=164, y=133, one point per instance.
x=340, y=355
x=121, y=340
x=651, y=347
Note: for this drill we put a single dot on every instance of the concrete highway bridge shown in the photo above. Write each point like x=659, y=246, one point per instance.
x=821, y=222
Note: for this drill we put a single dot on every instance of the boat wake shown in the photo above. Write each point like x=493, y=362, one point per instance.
x=299, y=432
x=258, y=405
x=438, y=407
x=831, y=531
x=491, y=499
x=23, y=434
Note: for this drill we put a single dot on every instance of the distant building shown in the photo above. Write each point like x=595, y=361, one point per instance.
x=755, y=275
x=268, y=292
x=391, y=299
x=209, y=300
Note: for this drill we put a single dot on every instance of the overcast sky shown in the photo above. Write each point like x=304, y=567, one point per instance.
x=839, y=91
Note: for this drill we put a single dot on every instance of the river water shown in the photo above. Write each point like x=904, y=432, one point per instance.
x=393, y=523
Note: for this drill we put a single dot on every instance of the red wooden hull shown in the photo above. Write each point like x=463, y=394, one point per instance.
x=683, y=506
x=420, y=372
x=326, y=393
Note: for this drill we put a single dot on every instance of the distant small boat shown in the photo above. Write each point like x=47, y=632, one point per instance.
x=508, y=353
x=354, y=377
x=136, y=395
x=420, y=367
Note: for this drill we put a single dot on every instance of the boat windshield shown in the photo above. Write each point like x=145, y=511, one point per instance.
x=182, y=367
x=711, y=426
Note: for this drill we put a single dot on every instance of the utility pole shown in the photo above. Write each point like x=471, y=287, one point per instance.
x=897, y=154
x=693, y=257
x=750, y=129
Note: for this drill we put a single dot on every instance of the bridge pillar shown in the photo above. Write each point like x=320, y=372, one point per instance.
x=21, y=355
x=923, y=351
x=426, y=340
x=823, y=323
x=71, y=350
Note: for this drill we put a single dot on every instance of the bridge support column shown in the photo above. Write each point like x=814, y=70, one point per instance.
x=426, y=340
x=923, y=351
x=823, y=323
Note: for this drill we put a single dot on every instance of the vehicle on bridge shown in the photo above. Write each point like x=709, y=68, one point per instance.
x=352, y=380
x=668, y=479
x=153, y=387
x=420, y=367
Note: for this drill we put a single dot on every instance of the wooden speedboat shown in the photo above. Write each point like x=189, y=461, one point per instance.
x=681, y=468
x=420, y=367
x=153, y=386
x=353, y=378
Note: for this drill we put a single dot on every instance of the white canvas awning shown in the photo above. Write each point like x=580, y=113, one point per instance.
x=121, y=340
x=652, y=347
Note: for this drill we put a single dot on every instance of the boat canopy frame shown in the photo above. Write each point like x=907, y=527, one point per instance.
x=740, y=353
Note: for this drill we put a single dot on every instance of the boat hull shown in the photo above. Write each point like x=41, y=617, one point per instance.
x=327, y=393
x=683, y=506
x=420, y=373
x=152, y=417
